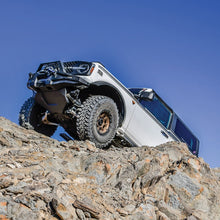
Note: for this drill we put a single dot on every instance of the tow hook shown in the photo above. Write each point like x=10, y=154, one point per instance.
x=46, y=121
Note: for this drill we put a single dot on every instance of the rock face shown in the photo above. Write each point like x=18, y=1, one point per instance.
x=42, y=178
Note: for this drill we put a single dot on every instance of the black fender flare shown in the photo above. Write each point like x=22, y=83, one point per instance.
x=111, y=91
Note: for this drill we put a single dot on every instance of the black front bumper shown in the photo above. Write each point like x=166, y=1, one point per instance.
x=51, y=83
x=58, y=75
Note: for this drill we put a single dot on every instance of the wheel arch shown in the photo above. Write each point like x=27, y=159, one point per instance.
x=106, y=89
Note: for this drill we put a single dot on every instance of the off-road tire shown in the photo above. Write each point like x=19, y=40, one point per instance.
x=94, y=111
x=80, y=122
x=30, y=118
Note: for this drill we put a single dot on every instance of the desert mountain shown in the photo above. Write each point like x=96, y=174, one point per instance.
x=42, y=178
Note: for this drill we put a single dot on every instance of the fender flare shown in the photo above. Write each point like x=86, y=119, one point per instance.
x=115, y=95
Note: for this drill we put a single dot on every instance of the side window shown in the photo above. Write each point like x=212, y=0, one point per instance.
x=158, y=109
x=185, y=135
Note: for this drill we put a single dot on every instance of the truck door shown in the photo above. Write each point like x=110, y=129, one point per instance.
x=149, y=123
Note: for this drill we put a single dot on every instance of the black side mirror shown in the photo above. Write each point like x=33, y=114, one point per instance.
x=147, y=94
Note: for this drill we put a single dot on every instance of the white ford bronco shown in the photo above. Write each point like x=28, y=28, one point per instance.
x=90, y=103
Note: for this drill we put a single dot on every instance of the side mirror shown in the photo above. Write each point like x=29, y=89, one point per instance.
x=147, y=94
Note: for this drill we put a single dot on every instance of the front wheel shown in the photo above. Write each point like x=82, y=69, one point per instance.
x=98, y=120
x=31, y=115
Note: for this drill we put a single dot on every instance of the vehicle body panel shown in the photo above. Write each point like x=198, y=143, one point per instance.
x=139, y=126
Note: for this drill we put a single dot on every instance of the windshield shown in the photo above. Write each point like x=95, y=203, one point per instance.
x=158, y=109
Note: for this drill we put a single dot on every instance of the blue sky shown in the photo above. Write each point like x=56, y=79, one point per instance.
x=171, y=46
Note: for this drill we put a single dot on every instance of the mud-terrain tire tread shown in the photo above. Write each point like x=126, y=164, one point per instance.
x=28, y=117
x=86, y=115
x=80, y=124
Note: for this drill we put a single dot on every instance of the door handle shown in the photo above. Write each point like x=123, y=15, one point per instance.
x=164, y=134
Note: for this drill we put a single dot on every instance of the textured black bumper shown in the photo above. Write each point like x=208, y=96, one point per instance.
x=54, y=82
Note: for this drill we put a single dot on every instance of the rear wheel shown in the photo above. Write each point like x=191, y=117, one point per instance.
x=30, y=117
x=97, y=120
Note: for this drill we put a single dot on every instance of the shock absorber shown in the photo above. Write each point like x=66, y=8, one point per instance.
x=73, y=97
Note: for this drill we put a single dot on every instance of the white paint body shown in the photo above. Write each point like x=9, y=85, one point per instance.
x=139, y=126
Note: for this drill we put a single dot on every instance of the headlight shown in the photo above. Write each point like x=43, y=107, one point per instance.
x=82, y=69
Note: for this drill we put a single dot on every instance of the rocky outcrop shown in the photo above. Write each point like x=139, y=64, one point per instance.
x=42, y=178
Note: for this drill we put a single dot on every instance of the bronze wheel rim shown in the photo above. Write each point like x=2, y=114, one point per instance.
x=103, y=123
